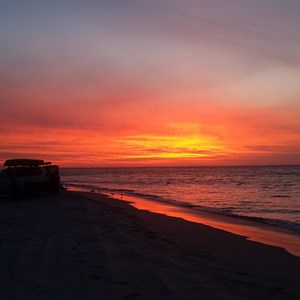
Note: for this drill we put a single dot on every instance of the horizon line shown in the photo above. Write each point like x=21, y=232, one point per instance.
x=182, y=166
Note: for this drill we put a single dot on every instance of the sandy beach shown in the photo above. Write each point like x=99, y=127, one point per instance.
x=88, y=246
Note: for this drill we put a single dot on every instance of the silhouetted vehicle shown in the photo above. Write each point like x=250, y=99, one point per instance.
x=29, y=177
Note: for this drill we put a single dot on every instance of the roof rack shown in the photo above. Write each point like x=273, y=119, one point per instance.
x=25, y=162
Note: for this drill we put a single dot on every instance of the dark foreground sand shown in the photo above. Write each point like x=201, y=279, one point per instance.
x=86, y=246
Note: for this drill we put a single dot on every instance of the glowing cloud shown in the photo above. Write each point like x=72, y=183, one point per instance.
x=150, y=83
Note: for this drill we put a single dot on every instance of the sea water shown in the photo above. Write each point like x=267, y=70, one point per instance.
x=265, y=194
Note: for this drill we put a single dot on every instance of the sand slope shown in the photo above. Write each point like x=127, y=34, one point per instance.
x=85, y=246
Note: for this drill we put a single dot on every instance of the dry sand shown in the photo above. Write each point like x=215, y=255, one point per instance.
x=87, y=246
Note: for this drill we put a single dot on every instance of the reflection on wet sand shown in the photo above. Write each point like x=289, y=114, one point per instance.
x=252, y=230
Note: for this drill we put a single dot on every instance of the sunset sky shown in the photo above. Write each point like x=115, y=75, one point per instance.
x=150, y=83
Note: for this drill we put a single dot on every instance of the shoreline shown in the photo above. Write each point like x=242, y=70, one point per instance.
x=88, y=246
x=250, y=229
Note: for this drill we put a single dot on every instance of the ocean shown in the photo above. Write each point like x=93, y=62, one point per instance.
x=264, y=194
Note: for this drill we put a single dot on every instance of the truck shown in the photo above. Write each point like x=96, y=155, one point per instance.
x=29, y=177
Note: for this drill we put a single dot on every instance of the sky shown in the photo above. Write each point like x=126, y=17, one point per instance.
x=150, y=83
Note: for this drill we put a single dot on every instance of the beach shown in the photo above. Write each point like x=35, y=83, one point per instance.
x=89, y=246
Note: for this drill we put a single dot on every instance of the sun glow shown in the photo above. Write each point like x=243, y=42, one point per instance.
x=156, y=146
x=192, y=88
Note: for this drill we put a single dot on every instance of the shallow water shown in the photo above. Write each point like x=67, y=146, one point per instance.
x=266, y=194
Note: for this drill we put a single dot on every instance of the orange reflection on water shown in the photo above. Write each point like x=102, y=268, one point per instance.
x=251, y=230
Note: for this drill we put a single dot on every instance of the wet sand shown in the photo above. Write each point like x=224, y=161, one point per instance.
x=251, y=229
x=87, y=246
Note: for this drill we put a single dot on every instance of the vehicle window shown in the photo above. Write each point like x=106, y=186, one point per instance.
x=52, y=169
x=28, y=171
